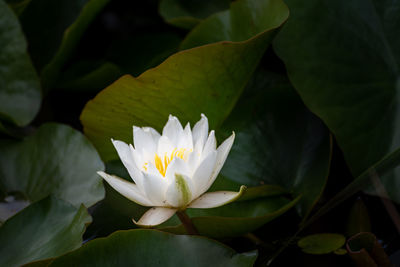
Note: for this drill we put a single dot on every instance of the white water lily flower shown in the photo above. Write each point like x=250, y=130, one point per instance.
x=172, y=171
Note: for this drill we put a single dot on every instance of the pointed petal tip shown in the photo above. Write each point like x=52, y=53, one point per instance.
x=216, y=199
x=155, y=216
x=141, y=225
x=101, y=173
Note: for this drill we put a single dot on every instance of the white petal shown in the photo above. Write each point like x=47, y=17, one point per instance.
x=186, y=139
x=210, y=145
x=127, y=189
x=216, y=199
x=179, y=192
x=222, y=154
x=173, y=130
x=143, y=140
x=153, y=133
x=127, y=158
x=203, y=174
x=155, y=186
x=164, y=146
x=177, y=165
x=137, y=157
x=192, y=162
x=155, y=216
x=200, y=131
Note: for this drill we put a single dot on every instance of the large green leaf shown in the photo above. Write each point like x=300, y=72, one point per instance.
x=343, y=59
x=154, y=248
x=207, y=79
x=235, y=219
x=20, y=93
x=47, y=228
x=64, y=22
x=278, y=141
x=55, y=160
x=187, y=14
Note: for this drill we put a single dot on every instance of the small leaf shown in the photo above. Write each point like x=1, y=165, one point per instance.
x=321, y=243
x=340, y=251
x=47, y=228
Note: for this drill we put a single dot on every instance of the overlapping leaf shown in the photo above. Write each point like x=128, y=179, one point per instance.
x=20, y=93
x=64, y=22
x=344, y=62
x=48, y=228
x=55, y=160
x=235, y=219
x=207, y=79
x=278, y=141
x=154, y=248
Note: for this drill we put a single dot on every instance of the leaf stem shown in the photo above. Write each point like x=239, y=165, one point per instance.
x=187, y=223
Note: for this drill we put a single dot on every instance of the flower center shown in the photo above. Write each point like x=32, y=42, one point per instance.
x=162, y=162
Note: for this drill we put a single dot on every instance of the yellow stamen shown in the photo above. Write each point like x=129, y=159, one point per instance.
x=159, y=165
x=162, y=163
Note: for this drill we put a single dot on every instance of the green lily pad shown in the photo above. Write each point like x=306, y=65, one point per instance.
x=207, y=79
x=344, y=62
x=187, y=14
x=20, y=92
x=321, y=243
x=132, y=248
x=278, y=141
x=48, y=228
x=65, y=22
x=55, y=160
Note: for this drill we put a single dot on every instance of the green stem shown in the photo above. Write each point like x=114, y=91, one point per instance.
x=187, y=223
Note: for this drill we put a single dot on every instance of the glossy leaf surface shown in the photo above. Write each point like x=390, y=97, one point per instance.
x=344, y=62
x=167, y=250
x=278, y=141
x=48, y=228
x=56, y=160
